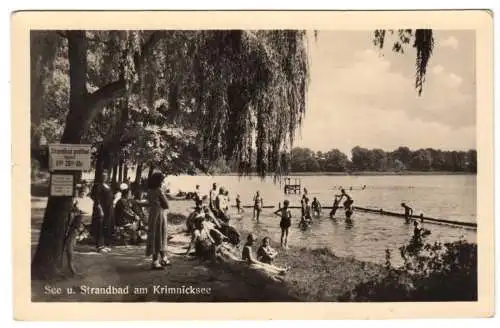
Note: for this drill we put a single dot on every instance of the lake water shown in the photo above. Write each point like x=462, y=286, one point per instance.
x=439, y=196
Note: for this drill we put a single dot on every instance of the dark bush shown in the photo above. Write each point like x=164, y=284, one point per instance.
x=431, y=272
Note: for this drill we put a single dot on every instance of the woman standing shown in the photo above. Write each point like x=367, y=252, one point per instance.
x=157, y=223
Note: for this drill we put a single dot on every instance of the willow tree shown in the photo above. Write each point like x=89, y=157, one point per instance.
x=246, y=90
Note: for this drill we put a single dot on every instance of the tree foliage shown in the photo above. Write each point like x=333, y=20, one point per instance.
x=420, y=39
x=378, y=160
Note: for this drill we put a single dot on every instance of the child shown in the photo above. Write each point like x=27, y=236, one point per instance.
x=266, y=253
x=285, y=222
x=348, y=202
x=335, y=206
x=305, y=219
x=247, y=256
x=75, y=231
x=316, y=207
x=238, y=204
x=307, y=210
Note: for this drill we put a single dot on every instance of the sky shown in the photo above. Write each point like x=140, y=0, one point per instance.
x=360, y=95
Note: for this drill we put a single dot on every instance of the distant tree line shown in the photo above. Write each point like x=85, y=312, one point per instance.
x=378, y=160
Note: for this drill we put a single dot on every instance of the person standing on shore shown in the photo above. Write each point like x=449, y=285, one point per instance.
x=197, y=196
x=258, y=204
x=102, y=212
x=212, y=195
x=285, y=222
x=157, y=223
x=220, y=205
x=408, y=212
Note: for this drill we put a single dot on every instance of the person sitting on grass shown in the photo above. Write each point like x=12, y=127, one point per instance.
x=198, y=213
x=266, y=253
x=316, y=207
x=248, y=257
x=202, y=241
x=126, y=219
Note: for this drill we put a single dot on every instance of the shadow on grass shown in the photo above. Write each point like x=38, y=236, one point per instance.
x=40, y=189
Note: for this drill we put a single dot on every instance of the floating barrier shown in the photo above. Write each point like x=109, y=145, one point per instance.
x=424, y=218
x=470, y=225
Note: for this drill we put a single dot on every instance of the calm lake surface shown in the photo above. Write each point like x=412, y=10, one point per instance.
x=439, y=196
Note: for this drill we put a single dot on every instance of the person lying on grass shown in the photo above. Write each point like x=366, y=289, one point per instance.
x=266, y=253
x=248, y=257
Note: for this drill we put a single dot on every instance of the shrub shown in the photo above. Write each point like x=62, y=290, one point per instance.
x=431, y=272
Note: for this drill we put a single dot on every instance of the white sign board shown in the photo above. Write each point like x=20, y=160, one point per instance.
x=68, y=157
x=61, y=185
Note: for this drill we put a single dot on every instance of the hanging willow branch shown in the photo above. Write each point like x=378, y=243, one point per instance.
x=423, y=42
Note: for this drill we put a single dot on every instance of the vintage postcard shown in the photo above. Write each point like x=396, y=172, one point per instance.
x=252, y=165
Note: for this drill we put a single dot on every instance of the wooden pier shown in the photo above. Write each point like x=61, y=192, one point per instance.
x=292, y=188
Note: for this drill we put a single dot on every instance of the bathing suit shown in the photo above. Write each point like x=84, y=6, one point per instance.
x=286, y=219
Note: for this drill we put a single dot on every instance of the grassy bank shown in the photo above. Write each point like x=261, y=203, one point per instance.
x=318, y=275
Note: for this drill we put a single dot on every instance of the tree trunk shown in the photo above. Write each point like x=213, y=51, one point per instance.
x=125, y=172
x=115, y=173
x=48, y=255
x=120, y=172
x=138, y=173
x=82, y=108
x=99, y=165
x=150, y=172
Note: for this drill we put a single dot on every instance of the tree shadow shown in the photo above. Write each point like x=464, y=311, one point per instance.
x=40, y=189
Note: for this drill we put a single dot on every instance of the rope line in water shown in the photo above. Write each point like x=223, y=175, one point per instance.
x=382, y=212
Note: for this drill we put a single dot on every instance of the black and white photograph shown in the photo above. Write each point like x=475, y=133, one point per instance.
x=270, y=165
